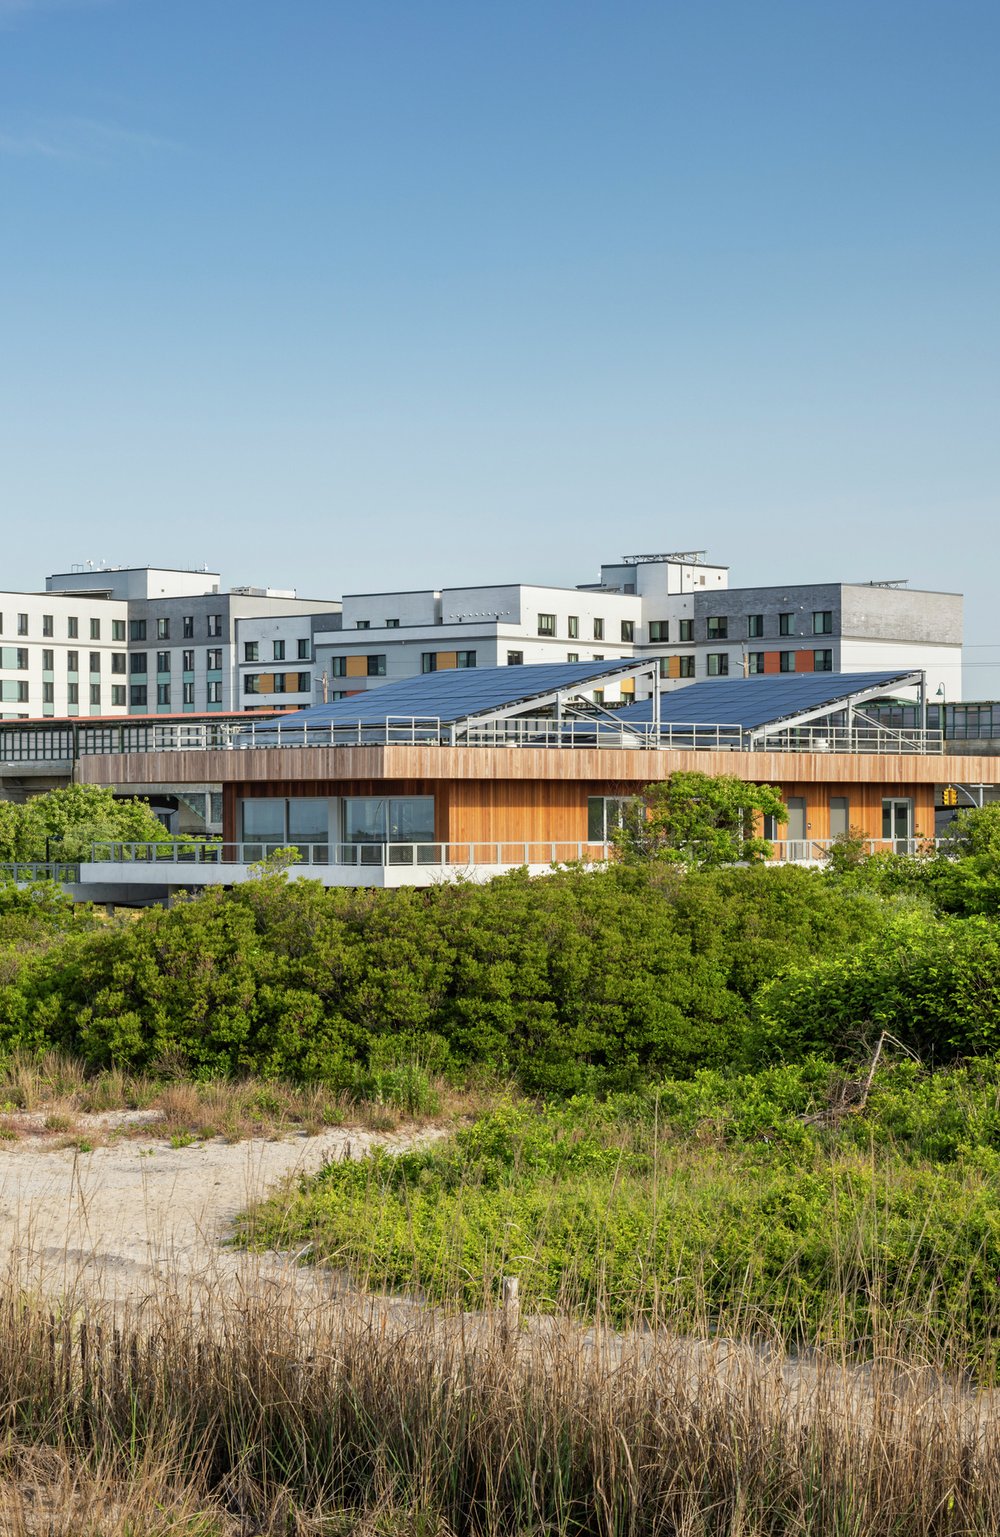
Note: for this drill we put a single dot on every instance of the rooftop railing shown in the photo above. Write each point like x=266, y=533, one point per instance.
x=65, y=743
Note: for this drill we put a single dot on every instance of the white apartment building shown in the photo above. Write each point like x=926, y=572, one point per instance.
x=148, y=641
x=153, y=640
x=388, y=636
x=676, y=607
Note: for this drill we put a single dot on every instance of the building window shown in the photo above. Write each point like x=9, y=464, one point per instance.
x=95, y=661
x=187, y=627
x=628, y=631
x=187, y=661
x=465, y=659
x=137, y=629
x=755, y=626
x=822, y=661
x=117, y=694
x=379, y=820
x=718, y=664
x=686, y=669
x=718, y=627
x=136, y=662
x=659, y=629
x=755, y=661
x=95, y=693
x=95, y=629
x=573, y=627
x=251, y=683
x=546, y=624
x=72, y=661
x=279, y=651
x=48, y=693
x=22, y=625
x=376, y=666
x=572, y=656
x=214, y=625
x=515, y=658
x=22, y=658
x=823, y=622
x=48, y=624
x=48, y=661
x=685, y=630
x=73, y=693
x=770, y=827
x=392, y=624
x=163, y=693
x=118, y=662
x=251, y=651
x=213, y=693
x=787, y=661
x=118, y=632
x=363, y=624
x=304, y=650
x=163, y=661
x=213, y=658
x=305, y=682
x=163, y=629
x=598, y=629
x=188, y=693
x=137, y=694
x=428, y=661
x=786, y=624
x=338, y=667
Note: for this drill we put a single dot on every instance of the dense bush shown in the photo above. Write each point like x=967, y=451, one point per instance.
x=575, y=981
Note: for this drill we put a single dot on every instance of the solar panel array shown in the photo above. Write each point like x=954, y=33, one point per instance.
x=451, y=695
x=755, y=702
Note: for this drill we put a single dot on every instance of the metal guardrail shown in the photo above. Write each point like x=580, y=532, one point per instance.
x=807, y=851
x=171, y=854
x=450, y=855
x=846, y=739
x=37, y=870
x=63, y=744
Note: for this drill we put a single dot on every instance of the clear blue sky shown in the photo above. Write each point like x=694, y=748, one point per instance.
x=345, y=293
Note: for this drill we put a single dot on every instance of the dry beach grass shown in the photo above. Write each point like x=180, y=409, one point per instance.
x=153, y=1382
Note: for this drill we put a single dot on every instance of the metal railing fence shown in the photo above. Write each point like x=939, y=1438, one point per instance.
x=64, y=743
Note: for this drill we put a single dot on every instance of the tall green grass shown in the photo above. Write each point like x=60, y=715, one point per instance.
x=736, y=1200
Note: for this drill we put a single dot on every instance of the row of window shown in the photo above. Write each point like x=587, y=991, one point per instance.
x=138, y=628
x=277, y=683
x=756, y=662
x=139, y=693
x=717, y=625
x=547, y=627
x=72, y=627
x=439, y=661
x=251, y=650
x=139, y=661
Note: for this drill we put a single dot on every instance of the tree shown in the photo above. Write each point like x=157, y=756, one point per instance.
x=62, y=824
x=698, y=820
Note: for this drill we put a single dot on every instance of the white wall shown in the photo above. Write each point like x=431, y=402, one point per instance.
x=942, y=664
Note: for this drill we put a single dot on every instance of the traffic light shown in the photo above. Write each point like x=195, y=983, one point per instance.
x=949, y=796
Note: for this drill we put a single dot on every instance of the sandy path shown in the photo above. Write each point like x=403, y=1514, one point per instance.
x=137, y=1211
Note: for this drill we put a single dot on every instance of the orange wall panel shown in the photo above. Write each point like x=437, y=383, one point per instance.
x=772, y=661
x=804, y=661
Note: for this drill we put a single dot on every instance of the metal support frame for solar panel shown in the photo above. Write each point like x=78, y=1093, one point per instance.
x=558, y=696
x=846, y=701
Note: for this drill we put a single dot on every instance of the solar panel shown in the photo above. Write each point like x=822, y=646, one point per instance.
x=754, y=702
x=451, y=695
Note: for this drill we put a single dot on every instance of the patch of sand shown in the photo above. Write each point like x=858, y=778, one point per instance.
x=139, y=1212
